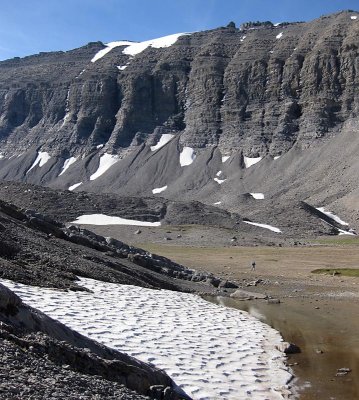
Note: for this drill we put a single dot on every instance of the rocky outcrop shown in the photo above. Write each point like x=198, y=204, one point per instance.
x=260, y=89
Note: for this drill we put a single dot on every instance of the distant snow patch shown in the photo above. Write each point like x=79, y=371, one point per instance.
x=219, y=181
x=265, y=226
x=257, y=196
x=277, y=24
x=159, y=190
x=341, y=232
x=279, y=35
x=99, y=146
x=217, y=203
x=354, y=17
x=187, y=156
x=73, y=187
x=248, y=161
x=42, y=158
x=1, y=156
x=332, y=216
x=106, y=162
x=108, y=48
x=165, y=41
x=276, y=157
x=164, y=139
x=242, y=38
x=219, y=173
x=67, y=163
x=101, y=219
x=225, y=158
x=122, y=67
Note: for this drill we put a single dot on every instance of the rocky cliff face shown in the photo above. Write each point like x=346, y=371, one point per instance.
x=261, y=91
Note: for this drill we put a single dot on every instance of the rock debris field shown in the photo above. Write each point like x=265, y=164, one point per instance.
x=210, y=351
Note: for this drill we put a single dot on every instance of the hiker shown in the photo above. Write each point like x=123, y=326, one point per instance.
x=253, y=266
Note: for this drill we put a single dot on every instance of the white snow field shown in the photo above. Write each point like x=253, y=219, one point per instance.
x=187, y=156
x=73, y=187
x=42, y=158
x=101, y=219
x=164, y=139
x=134, y=48
x=249, y=161
x=106, y=162
x=225, y=158
x=211, y=352
x=332, y=216
x=265, y=226
x=257, y=196
x=159, y=190
x=68, y=162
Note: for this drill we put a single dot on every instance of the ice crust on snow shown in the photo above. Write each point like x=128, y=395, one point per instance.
x=265, y=226
x=332, y=216
x=68, y=162
x=159, y=190
x=102, y=219
x=211, y=352
x=187, y=156
x=106, y=162
x=257, y=196
x=164, y=139
x=249, y=161
x=42, y=158
x=73, y=187
x=279, y=35
x=134, y=48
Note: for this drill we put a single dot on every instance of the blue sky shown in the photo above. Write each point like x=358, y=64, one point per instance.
x=31, y=26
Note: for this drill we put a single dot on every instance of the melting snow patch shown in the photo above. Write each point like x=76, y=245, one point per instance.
x=219, y=181
x=257, y=196
x=159, y=190
x=187, y=156
x=242, y=38
x=67, y=164
x=248, y=161
x=108, y=48
x=217, y=203
x=279, y=35
x=166, y=41
x=265, y=226
x=332, y=216
x=106, y=162
x=42, y=158
x=99, y=146
x=354, y=17
x=122, y=67
x=73, y=187
x=225, y=158
x=101, y=219
x=219, y=173
x=164, y=139
x=211, y=351
x=276, y=157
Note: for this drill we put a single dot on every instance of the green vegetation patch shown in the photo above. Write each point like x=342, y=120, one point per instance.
x=338, y=271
